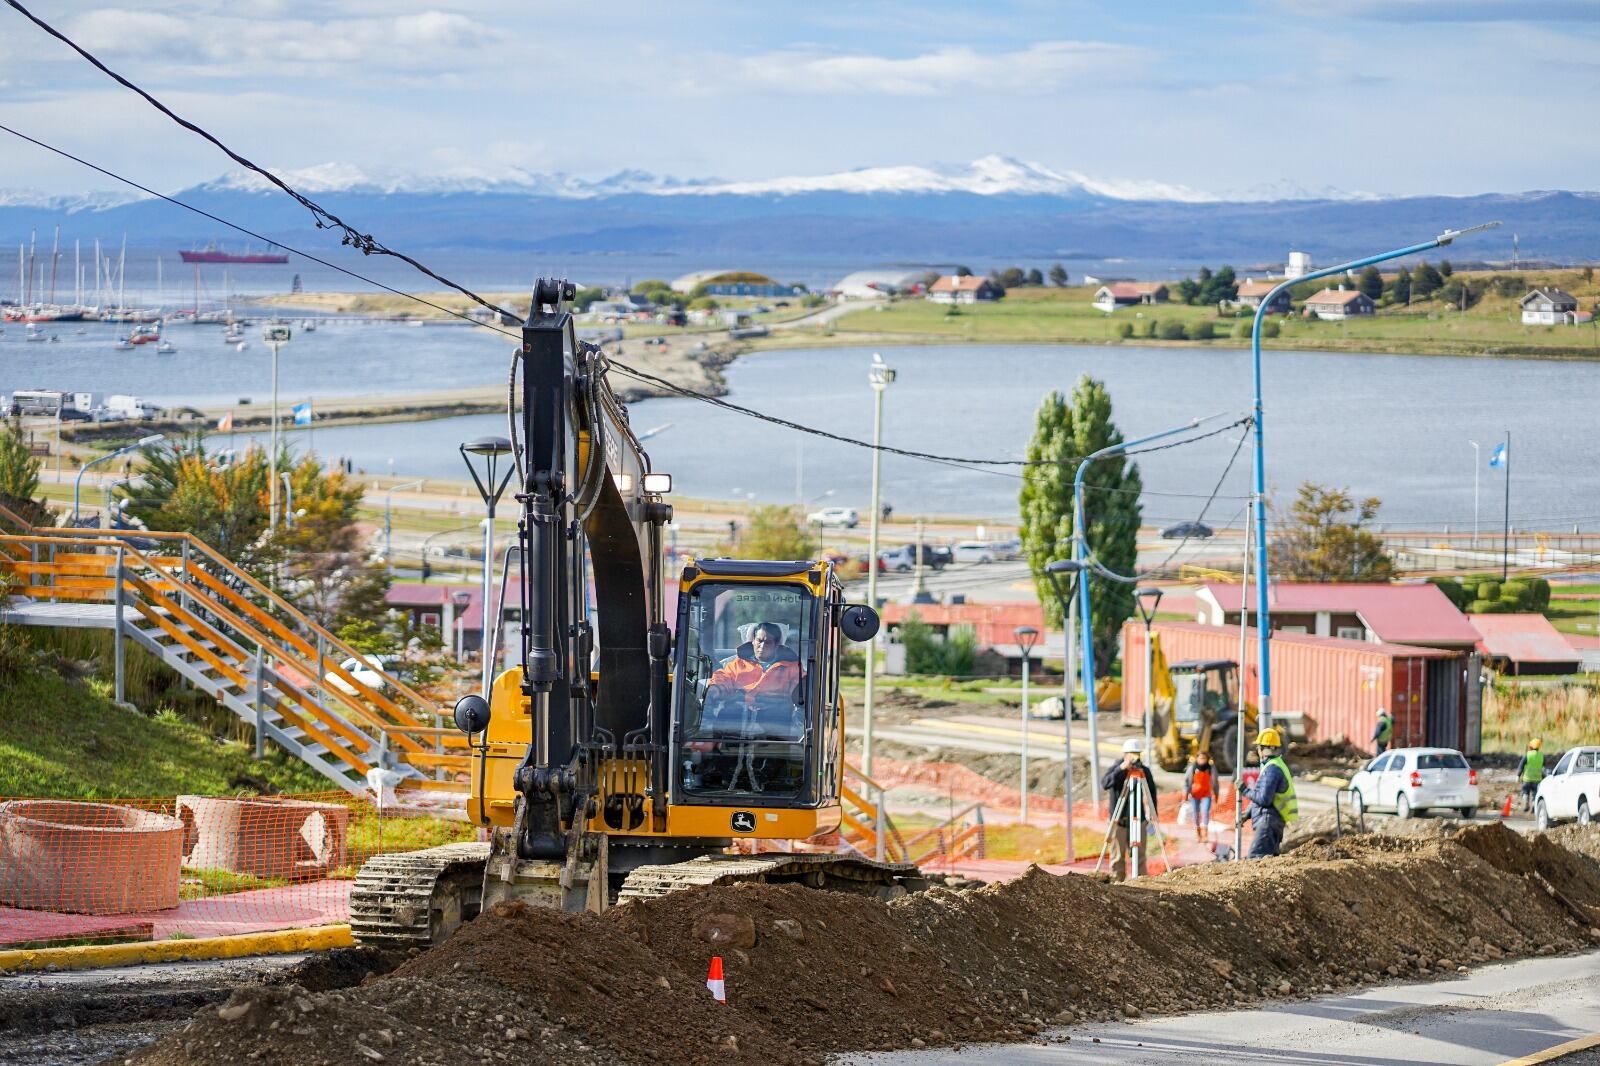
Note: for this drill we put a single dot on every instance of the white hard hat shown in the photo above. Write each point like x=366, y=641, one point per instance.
x=1133, y=744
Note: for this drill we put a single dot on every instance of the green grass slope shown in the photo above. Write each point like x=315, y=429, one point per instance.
x=65, y=738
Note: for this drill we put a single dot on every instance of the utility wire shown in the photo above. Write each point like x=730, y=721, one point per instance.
x=325, y=219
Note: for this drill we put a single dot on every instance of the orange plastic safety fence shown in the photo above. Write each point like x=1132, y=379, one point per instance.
x=191, y=866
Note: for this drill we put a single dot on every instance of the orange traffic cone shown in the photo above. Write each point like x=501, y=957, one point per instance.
x=719, y=989
x=1505, y=809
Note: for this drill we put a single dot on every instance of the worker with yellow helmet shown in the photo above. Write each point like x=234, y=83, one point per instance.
x=1272, y=801
x=1530, y=771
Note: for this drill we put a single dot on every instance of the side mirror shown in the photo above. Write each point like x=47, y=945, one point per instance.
x=858, y=622
x=472, y=714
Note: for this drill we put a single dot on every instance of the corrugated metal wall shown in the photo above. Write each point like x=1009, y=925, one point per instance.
x=1338, y=685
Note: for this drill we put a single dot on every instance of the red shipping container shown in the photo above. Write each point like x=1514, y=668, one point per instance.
x=1336, y=685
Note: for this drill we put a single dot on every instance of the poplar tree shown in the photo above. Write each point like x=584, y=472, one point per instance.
x=1064, y=432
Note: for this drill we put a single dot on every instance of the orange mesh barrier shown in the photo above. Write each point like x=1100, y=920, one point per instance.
x=191, y=866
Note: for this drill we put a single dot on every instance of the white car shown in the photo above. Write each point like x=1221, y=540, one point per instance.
x=1571, y=791
x=1407, y=780
x=835, y=517
x=368, y=670
x=972, y=551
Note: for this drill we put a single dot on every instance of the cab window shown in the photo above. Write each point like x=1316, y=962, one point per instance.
x=1565, y=764
x=746, y=699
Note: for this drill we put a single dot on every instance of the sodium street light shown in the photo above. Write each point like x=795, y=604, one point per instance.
x=276, y=335
x=489, y=449
x=1148, y=599
x=1263, y=609
x=77, y=484
x=1069, y=571
x=880, y=376
x=1027, y=637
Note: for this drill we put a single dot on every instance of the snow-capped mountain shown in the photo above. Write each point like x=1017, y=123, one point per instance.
x=993, y=175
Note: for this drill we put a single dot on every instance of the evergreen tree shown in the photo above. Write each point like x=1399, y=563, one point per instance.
x=1425, y=280
x=19, y=477
x=1063, y=433
x=1402, y=286
x=1222, y=285
x=963, y=272
x=1370, y=283
x=1034, y=277
x=1058, y=276
x=1445, y=269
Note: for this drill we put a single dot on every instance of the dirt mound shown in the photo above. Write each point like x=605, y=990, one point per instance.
x=324, y=971
x=815, y=973
x=1323, y=825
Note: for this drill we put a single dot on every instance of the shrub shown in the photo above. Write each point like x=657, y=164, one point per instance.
x=1488, y=607
x=1517, y=592
x=1489, y=590
x=1149, y=328
x=1124, y=330
x=1202, y=330
x=1173, y=331
x=1540, y=592
x=1242, y=330
x=1270, y=329
x=1454, y=591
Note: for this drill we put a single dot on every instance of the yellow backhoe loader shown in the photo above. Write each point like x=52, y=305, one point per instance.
x=1197, y=709
x=629, y=750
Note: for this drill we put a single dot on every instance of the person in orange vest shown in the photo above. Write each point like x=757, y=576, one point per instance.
x=1199, y=788
x=761, y=667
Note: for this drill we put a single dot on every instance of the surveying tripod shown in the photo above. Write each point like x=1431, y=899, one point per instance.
x=1140, y=804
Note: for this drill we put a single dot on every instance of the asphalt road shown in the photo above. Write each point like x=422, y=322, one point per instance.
x=1495, y=1013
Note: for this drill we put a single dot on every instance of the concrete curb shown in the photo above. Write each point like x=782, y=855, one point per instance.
x=96, y=956
x=1560, y=1051
x=1333, y=782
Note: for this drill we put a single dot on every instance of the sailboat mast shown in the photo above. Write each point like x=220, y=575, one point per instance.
x=77, y=274
x=55, y=260
x=122, y=276
x=33, y=244
x=99, y=293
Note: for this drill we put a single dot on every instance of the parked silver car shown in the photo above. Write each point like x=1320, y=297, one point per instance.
x=1407, y=780
x=1571, y=791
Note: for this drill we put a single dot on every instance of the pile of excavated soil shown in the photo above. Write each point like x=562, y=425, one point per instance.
x=812, y=973
x=1322, y=825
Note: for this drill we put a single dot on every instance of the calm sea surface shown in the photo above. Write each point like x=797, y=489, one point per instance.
x=1397, y=427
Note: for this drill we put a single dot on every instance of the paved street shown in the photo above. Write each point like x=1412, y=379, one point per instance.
x=1493, y=1014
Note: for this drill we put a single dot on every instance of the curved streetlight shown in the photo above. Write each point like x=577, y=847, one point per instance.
x=880, y=376
x=276, y=334
x=1148, y=599
x=1263, y=620
x=489, y=450
x=77, y=484
x=1027, y=637
x=1071, y=572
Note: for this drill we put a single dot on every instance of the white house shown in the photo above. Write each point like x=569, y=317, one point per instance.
x=874, y=284
x=1549, y=307
x=1252, y=292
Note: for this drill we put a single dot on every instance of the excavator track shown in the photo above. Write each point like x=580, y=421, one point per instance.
x=416, y=899
x=838, y=872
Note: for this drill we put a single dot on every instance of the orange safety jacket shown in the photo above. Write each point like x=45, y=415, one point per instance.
x=775, y=678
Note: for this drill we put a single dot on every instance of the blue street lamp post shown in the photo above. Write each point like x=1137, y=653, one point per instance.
x=77, y=484
x=1263, y=621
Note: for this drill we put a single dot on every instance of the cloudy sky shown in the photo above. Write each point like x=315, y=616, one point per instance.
x=1387, y=96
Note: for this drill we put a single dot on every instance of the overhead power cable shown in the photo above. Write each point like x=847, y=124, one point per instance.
x=325, y=219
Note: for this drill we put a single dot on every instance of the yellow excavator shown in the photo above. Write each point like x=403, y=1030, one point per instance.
x=629, y=751
x=1197, y=709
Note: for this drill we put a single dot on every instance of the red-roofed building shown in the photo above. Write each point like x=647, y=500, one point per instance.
x=1414, y=614
x=1525, y=644
x=1129, y=293
x=1251, y=293
x=993, y=626
x=1336, y=304
x=962, y=289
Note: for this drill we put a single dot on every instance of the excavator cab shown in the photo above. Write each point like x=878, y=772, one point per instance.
x=1205, y=712
x=756, y=720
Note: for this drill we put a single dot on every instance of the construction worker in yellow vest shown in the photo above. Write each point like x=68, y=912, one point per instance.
x=1530, y=771
x=1272, y=802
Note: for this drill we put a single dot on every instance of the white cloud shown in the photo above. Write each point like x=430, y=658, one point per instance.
x=1044, y=67
x=226, y=45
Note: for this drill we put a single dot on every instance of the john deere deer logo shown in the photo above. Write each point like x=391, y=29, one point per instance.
x=743, y=822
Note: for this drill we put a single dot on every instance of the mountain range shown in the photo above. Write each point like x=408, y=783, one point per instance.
x=993, y=211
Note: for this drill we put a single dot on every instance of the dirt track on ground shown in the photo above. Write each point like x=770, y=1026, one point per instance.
x=811, y=973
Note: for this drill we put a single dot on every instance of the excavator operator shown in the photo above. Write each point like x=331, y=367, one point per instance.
x=756, y=701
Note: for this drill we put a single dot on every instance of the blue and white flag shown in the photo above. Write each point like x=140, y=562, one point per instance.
x=302, y=414
x=1500, y=456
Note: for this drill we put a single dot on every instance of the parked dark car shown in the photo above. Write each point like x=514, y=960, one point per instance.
x=1187, y=531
